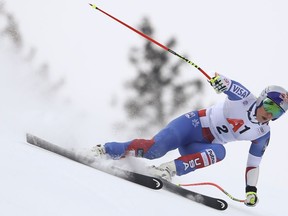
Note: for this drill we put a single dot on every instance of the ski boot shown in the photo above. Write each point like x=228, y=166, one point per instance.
x=165, y=171
x=98, y=151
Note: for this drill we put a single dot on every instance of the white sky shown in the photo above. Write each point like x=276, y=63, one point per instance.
x=244, y=40
x=236, y=38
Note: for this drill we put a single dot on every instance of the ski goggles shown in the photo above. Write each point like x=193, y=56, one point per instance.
x=273, y=108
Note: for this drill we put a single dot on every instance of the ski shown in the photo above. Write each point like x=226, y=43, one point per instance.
x=212, y=202
x=144, y=180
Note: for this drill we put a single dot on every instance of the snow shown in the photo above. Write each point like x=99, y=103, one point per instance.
x=242, y=38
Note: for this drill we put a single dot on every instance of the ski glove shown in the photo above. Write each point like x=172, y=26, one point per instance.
x=251, y=199
x=220, y=83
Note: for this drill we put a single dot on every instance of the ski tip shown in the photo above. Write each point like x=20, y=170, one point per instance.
x=28, y=137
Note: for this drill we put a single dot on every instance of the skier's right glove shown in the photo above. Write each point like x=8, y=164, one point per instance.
x=220, y=83
x=251, y=199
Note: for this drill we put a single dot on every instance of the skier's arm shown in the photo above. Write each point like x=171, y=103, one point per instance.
x=233, y=89
x=256, y=152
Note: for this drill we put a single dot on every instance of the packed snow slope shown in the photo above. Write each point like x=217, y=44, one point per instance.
x=241, y=39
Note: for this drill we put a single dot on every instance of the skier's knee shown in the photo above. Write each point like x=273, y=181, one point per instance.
x=220, y=152
x=139, y=147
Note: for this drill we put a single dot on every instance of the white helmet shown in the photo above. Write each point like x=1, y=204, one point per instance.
x=274, y=99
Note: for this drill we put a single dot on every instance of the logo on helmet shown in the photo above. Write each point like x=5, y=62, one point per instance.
x=284, y=97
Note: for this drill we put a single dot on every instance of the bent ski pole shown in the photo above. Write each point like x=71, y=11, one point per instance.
x=215, y=185
x=154, y=41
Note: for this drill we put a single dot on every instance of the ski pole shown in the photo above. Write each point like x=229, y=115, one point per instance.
x=152, y=40
x=215, y=185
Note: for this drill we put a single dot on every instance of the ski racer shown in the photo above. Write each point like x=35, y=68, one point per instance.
x=199, y=135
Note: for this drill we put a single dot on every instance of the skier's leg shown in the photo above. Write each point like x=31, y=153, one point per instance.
x=194, y=156
x=136, y=147
x=164, y=141
x=198, y=155
x=178, y=132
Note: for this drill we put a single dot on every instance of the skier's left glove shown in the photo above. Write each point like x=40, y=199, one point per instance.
x=251, y=199
x=251, y=196
x=220, y=83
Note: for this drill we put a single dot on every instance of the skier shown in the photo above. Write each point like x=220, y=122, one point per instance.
x=199, y=135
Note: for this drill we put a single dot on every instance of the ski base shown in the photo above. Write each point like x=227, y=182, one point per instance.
x=144, y=180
